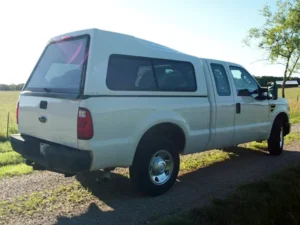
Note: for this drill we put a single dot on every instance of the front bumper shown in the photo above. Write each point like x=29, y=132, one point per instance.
x=287, y=129
x=52, y=157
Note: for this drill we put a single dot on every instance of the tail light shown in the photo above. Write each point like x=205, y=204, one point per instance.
x=85, y=128
x=17, y=113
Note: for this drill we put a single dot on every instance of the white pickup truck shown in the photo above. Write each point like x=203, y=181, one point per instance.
x=99, y=100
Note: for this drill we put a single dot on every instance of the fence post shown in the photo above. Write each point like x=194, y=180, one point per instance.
x=7, y=126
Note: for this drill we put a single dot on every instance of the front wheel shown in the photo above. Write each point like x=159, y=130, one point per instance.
x=276, y=140
x=155, y=167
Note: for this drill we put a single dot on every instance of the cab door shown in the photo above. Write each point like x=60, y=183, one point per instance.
x=251, y=115
x=224, y=105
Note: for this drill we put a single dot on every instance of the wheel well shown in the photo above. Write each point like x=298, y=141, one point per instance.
x=284, y=118
x=168, y=130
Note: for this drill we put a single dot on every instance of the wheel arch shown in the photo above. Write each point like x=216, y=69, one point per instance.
x=283, y=116
x=169, y=130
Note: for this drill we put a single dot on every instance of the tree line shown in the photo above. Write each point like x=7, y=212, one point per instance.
x=265, y=79
x=261, y=80
x=11, y=87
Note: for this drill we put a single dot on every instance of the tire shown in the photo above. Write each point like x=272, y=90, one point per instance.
x=151, y=162
x=276, y=140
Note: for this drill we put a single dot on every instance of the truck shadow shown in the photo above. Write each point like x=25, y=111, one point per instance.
x=192, y=189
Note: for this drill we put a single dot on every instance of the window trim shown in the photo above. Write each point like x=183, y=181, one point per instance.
x=151, y=60
x=227, y=79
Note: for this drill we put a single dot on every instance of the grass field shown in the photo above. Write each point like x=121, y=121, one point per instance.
x=252, y=196
x=8, y=102
x=13, y=164
x=291, y=95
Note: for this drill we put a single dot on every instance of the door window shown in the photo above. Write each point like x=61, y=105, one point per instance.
x=243, y=80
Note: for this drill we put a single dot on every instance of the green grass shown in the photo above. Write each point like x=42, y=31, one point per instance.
x=8, y=102
x=274, y=201
x=11, y=163
x=264, y=145
x=68, y=197
x=14, y=170
x=46, y=201
x=5, y=147
x=10, y=158
x=291, y=94
x=196, y=161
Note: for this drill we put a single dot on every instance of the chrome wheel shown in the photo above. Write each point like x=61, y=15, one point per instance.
x=161, y=167
x=281, y=137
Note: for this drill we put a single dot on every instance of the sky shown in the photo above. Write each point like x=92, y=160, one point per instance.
x=209, y=29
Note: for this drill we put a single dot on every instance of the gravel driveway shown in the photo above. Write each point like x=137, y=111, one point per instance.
x=118, y=204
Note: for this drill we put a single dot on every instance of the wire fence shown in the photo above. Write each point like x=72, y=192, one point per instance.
x=8, y=125
x=9, y=121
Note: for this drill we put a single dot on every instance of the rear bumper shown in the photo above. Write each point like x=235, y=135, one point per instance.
x=53, y=157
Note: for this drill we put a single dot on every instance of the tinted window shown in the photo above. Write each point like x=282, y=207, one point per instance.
x=242, y=79
x=139, y=73
x=174, y=75
x=221, y=80
x=60, y=68
x=130, y=73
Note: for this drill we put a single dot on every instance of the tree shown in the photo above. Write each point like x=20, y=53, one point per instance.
x=11, y=87
x=280, y=36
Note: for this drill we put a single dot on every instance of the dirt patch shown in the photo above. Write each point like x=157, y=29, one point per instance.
x=116, y=202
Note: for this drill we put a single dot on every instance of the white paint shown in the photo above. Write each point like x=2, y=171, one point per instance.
x=119, y=123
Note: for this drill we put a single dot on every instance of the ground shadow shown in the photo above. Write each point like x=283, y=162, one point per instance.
x=191, y=189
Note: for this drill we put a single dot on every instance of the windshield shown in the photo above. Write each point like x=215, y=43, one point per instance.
x=60, y=68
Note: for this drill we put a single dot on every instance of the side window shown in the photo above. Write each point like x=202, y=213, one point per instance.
x=174, y=75
x=242, y=79
x=221, y=79
x=130, y=74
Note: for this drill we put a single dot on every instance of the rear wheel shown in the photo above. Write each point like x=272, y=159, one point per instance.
x=155, y=167
x=276, y=140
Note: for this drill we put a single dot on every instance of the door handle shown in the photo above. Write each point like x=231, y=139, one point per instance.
x=238, y=108
x=43, y=104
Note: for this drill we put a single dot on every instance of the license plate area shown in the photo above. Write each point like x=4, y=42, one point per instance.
x=43, y=147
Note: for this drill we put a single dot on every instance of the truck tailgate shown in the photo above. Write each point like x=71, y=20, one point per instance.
x=50, y=119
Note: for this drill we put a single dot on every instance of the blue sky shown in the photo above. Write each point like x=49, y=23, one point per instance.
x=210, y=29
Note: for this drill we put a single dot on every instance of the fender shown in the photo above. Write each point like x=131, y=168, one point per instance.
x=276, y=108
x=158, y=118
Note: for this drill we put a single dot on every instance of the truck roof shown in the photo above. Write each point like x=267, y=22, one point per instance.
x=126, y=38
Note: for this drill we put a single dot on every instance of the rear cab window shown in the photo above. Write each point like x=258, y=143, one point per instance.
x=61, y=67
x=221, y=79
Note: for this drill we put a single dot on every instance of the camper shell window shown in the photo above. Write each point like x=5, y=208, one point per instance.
x=132, y=73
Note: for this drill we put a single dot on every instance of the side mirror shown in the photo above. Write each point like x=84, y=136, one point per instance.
x=273, y=90
x=244, y=92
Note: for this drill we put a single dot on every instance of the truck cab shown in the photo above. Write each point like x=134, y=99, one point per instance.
x=244, y=110
x=98, y=100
